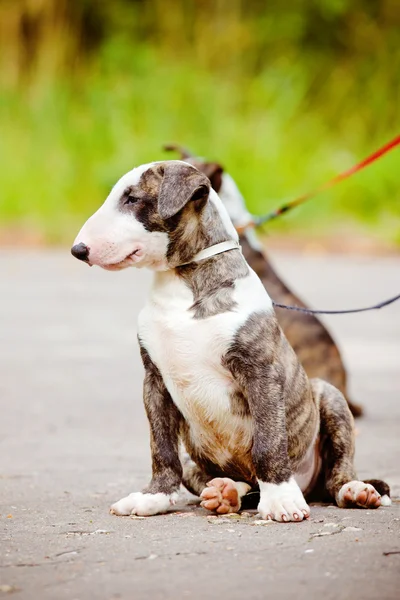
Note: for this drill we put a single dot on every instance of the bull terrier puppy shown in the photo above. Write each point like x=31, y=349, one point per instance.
x=221, y=379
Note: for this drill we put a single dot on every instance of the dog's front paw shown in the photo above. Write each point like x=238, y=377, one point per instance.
x=282, y=502
x=144, y=505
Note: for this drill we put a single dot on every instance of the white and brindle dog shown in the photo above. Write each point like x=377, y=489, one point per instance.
x=221, y=381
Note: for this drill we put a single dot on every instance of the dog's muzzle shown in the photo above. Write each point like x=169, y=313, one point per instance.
x=80, y=251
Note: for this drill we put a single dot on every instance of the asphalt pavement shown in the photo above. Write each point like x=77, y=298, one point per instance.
x=74, y=439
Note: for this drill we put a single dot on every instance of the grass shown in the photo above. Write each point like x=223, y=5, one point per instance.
x=65, y=141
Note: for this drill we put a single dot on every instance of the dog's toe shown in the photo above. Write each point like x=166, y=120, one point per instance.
x=123, y=507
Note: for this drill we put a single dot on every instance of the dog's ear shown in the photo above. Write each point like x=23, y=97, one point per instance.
x=214, y=173
x=181, y=184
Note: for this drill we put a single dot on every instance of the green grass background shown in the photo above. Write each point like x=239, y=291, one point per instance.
x=281, y=116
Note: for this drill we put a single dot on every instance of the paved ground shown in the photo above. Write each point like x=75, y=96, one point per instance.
x=74, y=439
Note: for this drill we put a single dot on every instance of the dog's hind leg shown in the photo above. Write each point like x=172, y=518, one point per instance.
x=337, y=451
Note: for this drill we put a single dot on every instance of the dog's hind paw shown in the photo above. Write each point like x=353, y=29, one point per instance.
x=223, y=495
x=357, y=494
x=144, y=505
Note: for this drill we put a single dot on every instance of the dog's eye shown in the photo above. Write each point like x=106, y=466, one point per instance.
x=131, y=200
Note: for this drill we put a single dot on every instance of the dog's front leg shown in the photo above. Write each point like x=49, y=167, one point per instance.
x=261, y=380
x=164, y=419
x=281, y=499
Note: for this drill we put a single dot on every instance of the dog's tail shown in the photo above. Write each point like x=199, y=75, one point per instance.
x=184, y=152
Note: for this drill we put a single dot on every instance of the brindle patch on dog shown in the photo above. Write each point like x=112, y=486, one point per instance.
x=165, y=421
x=212, y=282
x=336, y=436
x=275, y=386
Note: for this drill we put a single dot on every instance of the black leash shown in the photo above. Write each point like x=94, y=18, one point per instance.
x=337, y=312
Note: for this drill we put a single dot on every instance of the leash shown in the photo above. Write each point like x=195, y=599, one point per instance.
x=338, y=312
x=257, y=221
x=216, y=249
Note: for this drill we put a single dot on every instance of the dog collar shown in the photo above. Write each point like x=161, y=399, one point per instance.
x=213, y=251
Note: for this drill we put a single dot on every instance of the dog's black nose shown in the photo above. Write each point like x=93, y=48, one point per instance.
x=80, y=251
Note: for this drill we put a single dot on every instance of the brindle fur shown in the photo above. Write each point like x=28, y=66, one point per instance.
x=165, y=420
x=212, y=282
x=313, y=344
x=276, y=388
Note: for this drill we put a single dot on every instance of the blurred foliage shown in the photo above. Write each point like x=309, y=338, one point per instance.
x=284, y=94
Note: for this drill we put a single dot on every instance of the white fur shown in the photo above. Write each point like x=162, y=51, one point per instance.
x=188, y=353
x=385, y=500
x=233, y=201
x=113, y=236
x=144, y=505
x=223, y=213
x=242, y=488
x=309, y=468
x=236, y=207
x=282, y=502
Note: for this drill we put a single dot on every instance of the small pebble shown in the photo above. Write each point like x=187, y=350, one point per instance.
x=217, y=521
x=101, y=531
x=7, y=589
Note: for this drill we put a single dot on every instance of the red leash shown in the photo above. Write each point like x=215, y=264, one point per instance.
x=358, y=167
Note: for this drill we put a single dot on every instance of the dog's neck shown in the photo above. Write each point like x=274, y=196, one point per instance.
x=212, y=251
x=205, y=285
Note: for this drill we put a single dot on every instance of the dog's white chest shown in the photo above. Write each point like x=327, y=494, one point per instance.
x=188, y=353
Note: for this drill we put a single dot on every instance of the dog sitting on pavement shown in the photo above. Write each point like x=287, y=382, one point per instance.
x=309, y=338
x=220, y=377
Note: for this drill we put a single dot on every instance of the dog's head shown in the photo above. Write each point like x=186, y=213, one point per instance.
x=158, y=215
